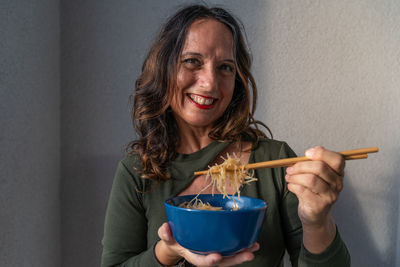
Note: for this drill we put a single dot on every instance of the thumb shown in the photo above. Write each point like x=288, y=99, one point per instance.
x=164, y=232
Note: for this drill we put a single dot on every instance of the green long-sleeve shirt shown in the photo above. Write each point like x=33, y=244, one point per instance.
x=136, y=211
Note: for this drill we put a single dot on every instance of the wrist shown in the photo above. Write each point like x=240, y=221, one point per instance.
x=318, y=237
x=165, y=255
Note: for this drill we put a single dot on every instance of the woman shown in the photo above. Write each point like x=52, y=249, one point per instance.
x=192, y=104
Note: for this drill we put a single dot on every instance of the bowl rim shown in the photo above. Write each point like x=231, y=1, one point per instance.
x=260, y=206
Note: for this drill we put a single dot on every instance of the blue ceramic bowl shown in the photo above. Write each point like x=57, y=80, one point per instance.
x=226, y=231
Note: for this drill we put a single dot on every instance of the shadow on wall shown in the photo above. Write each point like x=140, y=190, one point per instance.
x=86, y=184
x=354, y=221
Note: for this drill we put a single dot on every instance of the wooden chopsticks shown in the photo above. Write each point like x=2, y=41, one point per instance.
x=348, y=155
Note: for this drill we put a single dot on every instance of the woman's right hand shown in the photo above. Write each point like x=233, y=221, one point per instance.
x=169, y=252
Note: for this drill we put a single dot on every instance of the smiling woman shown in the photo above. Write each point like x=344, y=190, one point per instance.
x=188, y=59
x=193, y=103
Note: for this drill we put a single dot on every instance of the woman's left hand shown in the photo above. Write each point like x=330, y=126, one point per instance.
x=317, y=184
x=167, y=248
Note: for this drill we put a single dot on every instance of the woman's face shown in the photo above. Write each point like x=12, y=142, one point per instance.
x=205, y=77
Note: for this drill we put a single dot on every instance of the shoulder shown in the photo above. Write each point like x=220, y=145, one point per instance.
x=128, y=172
x=271, y=149
x=131, y=162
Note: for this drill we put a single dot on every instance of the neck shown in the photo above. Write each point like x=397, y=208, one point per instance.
x=192, y=140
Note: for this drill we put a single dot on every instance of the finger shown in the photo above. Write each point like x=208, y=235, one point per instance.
x=317, y=200
x=211, y=259
x=245, y=255
x=314, y=205
x=309, y=180
x=319, y=169
x=298, y=190
x=237, y=259
x=329, y=197
x=164, y=232
x=310, y=204
x=333, y=159
x=214, y=259
x=254, y=247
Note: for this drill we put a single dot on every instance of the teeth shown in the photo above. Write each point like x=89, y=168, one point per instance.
x=201, y=100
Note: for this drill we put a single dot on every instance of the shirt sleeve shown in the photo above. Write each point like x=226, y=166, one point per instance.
x=125, y=229
x=335, y=255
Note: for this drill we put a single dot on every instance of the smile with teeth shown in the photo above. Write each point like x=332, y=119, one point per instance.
x=202, y=100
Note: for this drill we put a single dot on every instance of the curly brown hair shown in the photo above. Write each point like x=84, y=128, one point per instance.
x=151, y=114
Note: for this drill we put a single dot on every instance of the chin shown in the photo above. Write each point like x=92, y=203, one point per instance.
x=201, y=123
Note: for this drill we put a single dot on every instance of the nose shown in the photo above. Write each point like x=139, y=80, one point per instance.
x=207, y=78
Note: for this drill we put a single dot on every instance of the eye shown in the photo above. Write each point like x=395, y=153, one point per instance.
x=227, y=67
x=192, y=61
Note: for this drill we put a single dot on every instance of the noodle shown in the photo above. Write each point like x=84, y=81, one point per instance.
x=197, y=204
x=230, y=173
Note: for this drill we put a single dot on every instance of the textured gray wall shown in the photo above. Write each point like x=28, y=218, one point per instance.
x=30, y=134
x=98, y=66
x=328, y=73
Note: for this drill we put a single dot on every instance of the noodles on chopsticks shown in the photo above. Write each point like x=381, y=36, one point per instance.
x=230, y=173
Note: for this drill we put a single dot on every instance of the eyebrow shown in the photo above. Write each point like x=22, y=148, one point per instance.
x=200, y=55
